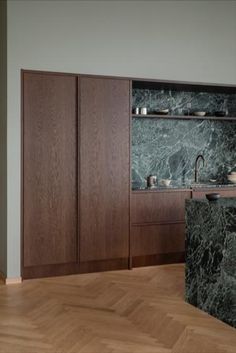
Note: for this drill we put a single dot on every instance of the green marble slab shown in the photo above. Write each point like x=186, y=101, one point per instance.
x=211, y=257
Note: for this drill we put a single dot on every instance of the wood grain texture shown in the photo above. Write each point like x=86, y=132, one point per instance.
x=104, y=165
x=201, y=194
x=74, y=268
x=158, y=259
x=139, y=311
x=154, y=207
x=157, y=239
x=49, y=169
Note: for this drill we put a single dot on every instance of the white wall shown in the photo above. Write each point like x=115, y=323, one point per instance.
x=182, y=40
x=3, y=137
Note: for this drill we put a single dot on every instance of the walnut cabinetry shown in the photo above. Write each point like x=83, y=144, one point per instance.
x=49, y=172
x=158, y=226
x=159, y=206
x=76, y=212
x=224, y=192
x=75, y=173
x=104, y=169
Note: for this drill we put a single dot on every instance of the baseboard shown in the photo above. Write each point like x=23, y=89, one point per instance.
x=158, y=259
x=2, y=277
x=15, y=280
x=8, y=281
x=74, y=268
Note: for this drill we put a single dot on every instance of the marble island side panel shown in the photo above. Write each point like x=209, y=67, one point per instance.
x=211, y=257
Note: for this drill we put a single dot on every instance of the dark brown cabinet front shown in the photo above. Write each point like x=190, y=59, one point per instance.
x=158, y=226
x=50, y=190
x=224, y=192
x=75, y=173
x=104, y=168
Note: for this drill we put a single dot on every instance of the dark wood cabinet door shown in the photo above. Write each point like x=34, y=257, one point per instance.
x=158, y=207
x=49, y=169
x=158, y=226
x=157, y=239
x=104, y=168
x=201, y=193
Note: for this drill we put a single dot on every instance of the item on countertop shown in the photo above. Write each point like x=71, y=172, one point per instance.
x=232, y=177
x=151, y=181
x=165, y=182
x=144, y=111
x=199, y=113
x=213, y=197
x=213, y=180
x=163, y=112
x=233, y=171
x=220, y=113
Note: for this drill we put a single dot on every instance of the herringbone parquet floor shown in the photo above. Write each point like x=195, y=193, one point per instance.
x=138, y=311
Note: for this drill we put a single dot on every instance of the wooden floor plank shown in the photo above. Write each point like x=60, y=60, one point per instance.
x=138, y=311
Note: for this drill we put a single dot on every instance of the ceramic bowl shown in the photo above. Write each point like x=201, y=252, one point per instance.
x=232, y=178
x=213, y=197
x=165, y=182
x=163, y=111
x=213, y=180
x=220, y=113
x=199, y=113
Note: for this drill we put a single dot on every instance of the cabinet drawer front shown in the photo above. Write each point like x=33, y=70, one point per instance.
x=154, y=207
x=201, y=194
x=157, y=239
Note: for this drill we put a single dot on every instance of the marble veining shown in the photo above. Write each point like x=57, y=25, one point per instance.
x=168, y=148
x=177, y=101
x=211, y=257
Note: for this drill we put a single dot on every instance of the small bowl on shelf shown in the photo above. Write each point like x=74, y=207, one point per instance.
x=213, y=181
x=162, y=112
x=213, y=197
x=165, y=182
x=232, y=178
x=220, y=113
x=199, y=113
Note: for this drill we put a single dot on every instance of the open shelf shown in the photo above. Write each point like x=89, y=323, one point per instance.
x=183, y=117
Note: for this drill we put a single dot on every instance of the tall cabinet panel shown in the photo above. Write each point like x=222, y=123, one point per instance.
x=104, y=168
x=50, y=155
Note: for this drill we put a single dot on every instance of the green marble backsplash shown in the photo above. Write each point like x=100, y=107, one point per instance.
x=180, y=102
x=168, y=148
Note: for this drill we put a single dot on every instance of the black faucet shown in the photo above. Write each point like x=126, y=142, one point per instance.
x=199, y=157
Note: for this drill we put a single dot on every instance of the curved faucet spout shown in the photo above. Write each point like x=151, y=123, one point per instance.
x=197, y=165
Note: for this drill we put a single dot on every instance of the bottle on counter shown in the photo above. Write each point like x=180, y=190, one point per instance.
x=151, y=181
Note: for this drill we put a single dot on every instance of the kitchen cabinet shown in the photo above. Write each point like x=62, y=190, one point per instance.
x=76, y=212
x=49, y=172
x=75, y=173
x=158, y=206
x=158, y=226
x=200, y=193
x=104, y=168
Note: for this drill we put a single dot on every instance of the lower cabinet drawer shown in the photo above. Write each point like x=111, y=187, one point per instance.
x=157, y=239
x=200, y=194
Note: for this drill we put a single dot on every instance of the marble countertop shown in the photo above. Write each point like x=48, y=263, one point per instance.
x=184, y=186
x=222, y=202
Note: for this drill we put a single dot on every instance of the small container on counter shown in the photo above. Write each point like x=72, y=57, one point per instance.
x=151, y=181
x=144, y=111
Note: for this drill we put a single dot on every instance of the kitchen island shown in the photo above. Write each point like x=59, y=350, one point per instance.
x=211, y=257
